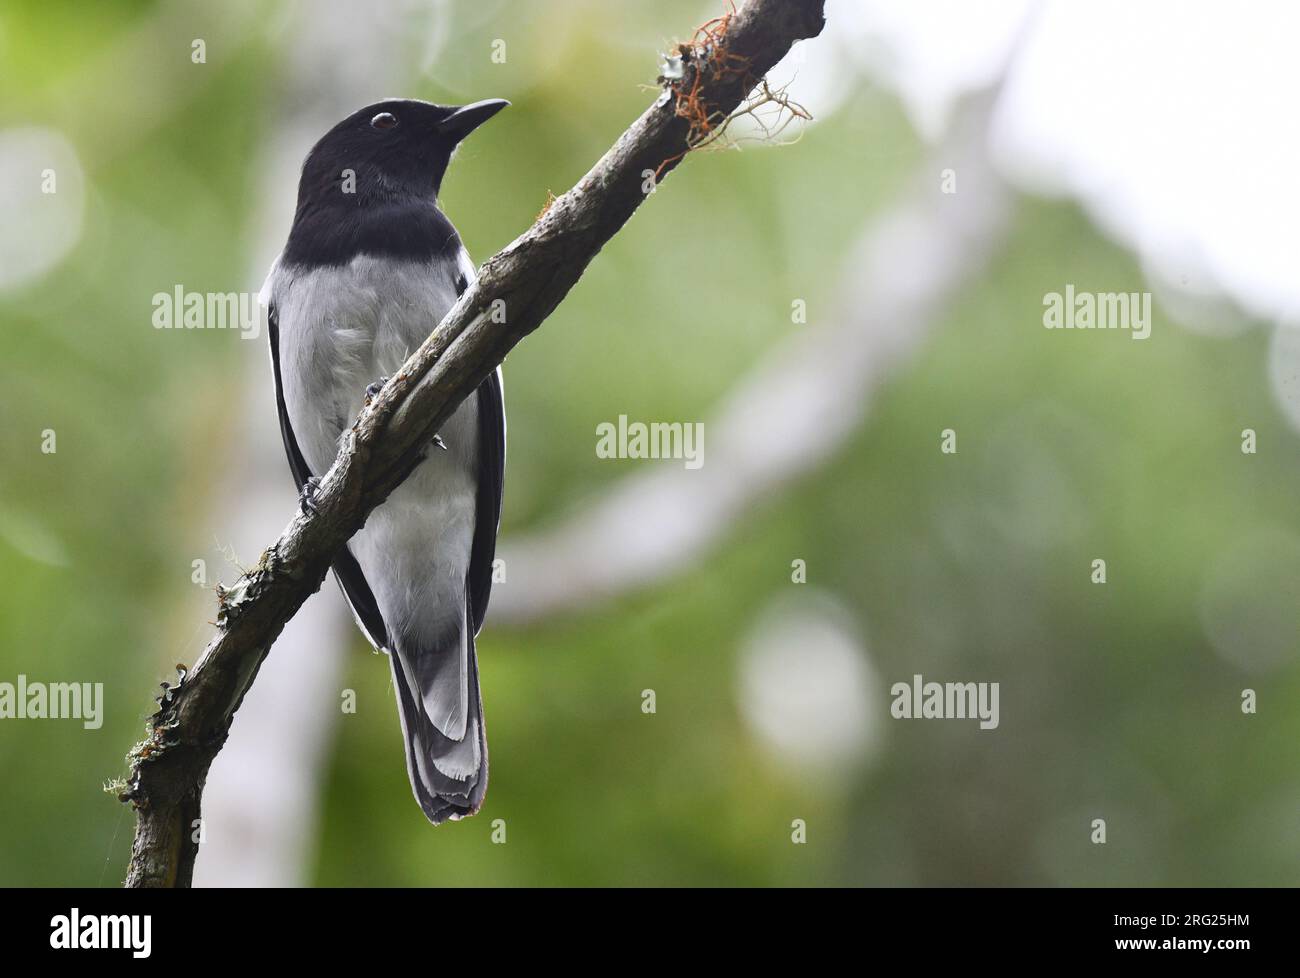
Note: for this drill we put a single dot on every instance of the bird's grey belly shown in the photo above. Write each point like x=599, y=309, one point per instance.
x=342, y=329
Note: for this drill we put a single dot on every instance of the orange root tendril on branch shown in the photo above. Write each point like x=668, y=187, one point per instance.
x=707, y=53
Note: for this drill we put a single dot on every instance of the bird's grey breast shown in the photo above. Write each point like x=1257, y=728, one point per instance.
x=343, y=327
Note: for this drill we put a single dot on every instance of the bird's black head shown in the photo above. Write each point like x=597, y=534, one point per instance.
x=370, y=186
x=391, y=149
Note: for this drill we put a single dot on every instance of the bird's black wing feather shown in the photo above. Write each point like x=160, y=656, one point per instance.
x=491, y=486
x=346, y=568
x=491, y=483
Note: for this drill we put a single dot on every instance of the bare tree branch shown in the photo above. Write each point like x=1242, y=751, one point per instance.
x=525, y=281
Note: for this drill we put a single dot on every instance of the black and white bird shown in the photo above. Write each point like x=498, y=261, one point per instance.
x=370, y=268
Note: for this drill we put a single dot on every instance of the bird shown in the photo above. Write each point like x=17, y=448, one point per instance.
x=370, y=267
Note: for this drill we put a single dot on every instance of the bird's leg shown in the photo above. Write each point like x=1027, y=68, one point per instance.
x=307, y=495
x=375, y=388
x=423, y=453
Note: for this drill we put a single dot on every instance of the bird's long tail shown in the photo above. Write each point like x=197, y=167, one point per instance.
x=441, y=710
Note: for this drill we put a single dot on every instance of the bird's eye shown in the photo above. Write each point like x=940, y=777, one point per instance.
x=385, y=120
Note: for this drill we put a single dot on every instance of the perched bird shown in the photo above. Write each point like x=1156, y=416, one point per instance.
x=370, y=268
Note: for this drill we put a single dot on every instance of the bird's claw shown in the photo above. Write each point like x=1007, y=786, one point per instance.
x=307, y=495
x=437, y=440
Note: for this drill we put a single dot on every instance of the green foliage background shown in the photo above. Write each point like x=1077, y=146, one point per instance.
x=1114, y=703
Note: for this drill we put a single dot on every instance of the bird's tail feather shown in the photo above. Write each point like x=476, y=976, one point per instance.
x=449, y=776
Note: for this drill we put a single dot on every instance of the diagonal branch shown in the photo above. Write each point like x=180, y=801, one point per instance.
x=515, y=292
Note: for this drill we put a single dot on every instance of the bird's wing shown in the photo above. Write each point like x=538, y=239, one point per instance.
x=491, y=474
x=346, y=569
x=491, y=484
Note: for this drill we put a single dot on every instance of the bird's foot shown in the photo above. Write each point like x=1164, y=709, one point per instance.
x=307, y=495
x=420, y=454
x=375, y=388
